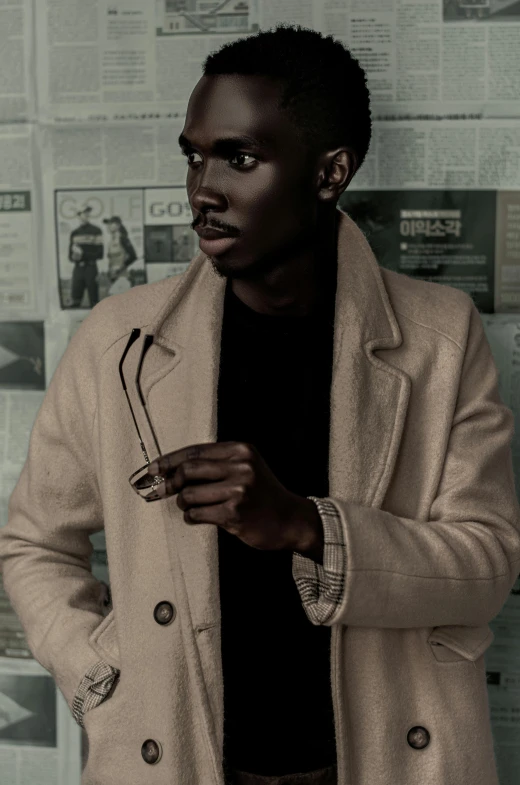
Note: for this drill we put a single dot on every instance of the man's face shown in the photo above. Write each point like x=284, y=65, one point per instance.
x=262, y=194
x=83, y=217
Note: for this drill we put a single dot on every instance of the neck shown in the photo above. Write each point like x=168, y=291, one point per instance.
x=294, y=288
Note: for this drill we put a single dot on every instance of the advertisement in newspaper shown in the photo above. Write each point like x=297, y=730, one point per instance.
x=109, y=240
x=440, y=236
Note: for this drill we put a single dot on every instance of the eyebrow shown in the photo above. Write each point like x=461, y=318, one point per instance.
x=229, y=144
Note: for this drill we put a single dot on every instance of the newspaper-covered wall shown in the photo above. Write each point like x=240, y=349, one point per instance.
x=93, y=96
x=129, y=60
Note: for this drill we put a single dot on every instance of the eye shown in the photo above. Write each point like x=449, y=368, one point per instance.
x=243, y=155
x=188, y=154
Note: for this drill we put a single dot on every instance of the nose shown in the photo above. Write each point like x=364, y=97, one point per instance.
x=203, y=192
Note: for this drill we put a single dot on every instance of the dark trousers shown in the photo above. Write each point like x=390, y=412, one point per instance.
x=326, y=776
x=84, y=276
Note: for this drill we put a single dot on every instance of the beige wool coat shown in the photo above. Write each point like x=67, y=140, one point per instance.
x=420, y=470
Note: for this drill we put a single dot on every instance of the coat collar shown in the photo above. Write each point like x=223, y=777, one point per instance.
x=362, y=303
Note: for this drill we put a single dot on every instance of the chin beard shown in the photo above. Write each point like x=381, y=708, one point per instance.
x=252, y=271
x=218, y=272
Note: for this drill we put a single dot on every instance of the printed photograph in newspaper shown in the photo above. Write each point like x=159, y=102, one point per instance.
x=22, y=355
x=177, y=17
x=28, y=710
x=169, y=241
x=99, y=241
x=490, y=10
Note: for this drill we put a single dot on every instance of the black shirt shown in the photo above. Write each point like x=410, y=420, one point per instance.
x=274, y=392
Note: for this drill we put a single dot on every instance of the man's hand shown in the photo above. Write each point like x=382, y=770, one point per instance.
x=76, y=253
x=229, y=484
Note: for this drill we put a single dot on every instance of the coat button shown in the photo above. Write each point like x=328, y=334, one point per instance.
x=418, y=737
x=151, y=751
x=164, y=612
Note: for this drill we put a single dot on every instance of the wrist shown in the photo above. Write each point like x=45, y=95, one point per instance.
x=309, y=532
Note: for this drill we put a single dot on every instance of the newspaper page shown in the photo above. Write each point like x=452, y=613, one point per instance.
x=40, y=742
x=22, y=388
x=134, y=60
x=449, y=58
x=110, y=225
x=17, y=68
x=127, y=60
x=440, y=200
x=436, y=199
x=19, y=272
x=503, y=657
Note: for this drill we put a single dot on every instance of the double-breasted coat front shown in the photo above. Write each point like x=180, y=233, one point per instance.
x=420, y=473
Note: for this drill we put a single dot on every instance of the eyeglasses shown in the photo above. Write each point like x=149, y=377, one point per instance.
x=141, y=482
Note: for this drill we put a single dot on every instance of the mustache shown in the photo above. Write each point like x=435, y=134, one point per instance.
x=214, y=224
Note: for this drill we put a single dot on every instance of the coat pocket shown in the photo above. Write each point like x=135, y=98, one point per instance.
x=104, y=641
x=99, y=683
x=456, y=643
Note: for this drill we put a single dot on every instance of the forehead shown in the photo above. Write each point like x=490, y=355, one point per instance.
x=233, y=104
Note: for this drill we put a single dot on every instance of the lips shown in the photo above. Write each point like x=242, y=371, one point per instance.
x=216, y=247
x=211, y=234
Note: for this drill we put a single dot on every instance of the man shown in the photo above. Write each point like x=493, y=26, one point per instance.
x=308, y=598
x=85, y=248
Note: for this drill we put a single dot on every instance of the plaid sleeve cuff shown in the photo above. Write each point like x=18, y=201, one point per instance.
x=321, y=586
x=93, y=689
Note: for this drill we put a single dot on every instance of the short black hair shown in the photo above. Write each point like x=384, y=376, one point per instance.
x=324, y=87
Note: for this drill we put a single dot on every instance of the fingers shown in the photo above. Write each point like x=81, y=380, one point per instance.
x=215, y=513
x=198, y=495
x=192, y=472
x=211, y=451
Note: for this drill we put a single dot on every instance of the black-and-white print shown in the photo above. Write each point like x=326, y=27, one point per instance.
x=489, y=10
x=28, y=710
x=99, y=237
x=22, y=356
x=178, y=17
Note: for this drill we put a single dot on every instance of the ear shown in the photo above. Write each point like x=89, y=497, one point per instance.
x=335, y=171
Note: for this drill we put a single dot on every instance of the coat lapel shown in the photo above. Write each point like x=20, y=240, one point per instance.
x=369, y=399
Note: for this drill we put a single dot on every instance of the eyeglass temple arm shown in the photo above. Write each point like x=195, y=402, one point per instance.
x=148, y=340
x=134, y=335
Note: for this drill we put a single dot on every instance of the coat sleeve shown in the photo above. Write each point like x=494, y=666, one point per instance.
x=458, y=566
x=45, y=547
x=321, y=585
